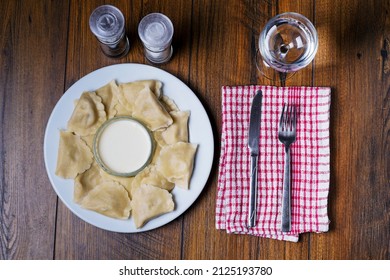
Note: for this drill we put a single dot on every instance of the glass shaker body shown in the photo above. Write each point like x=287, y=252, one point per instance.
x=107, y=23
x=156, y=31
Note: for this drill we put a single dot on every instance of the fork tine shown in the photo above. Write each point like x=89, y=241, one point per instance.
x=294, y=123
x=288, y=118
x=282, y=118
x=291, y=122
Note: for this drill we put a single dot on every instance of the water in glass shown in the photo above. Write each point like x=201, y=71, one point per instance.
x=288, y=42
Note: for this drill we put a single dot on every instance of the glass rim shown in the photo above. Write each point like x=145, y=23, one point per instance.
x=301, y=62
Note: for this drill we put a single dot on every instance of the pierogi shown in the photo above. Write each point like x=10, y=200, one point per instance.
x=88, y=115
x=149, y=202
x=74, y=156
x=150, y=111
x=108, y=198
x=109, y=95
x=176, y=163
x=176, y=132
x=85, y=182
x=129, y=92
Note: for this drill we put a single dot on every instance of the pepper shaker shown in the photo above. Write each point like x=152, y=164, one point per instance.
x=107, y=23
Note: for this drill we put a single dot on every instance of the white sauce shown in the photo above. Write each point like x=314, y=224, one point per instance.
x=124, y=146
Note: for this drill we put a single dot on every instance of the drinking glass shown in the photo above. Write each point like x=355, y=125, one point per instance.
x=287, y=43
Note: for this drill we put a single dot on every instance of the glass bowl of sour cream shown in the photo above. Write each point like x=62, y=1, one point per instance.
x=123, y=146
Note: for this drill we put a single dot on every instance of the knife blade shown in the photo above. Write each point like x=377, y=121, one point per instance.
x=253, y=144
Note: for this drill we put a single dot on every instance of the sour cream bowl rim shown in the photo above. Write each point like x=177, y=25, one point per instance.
x=96, y=152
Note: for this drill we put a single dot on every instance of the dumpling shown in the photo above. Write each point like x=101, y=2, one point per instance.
x=109, y=95
x=128, y=92
x=110, y=199
x=88, y=115
x=89, y=140
x=127, y=96
x=124, y=181
x=176, y=132
x=156, y=179
x=85, y=182
x=121, y=110
x=168, y=103
x=176, y=163
x=148, y=202
x=137, y=86
x=151, y=176
x=154, y=85
x=150, y=111
x=74, y=156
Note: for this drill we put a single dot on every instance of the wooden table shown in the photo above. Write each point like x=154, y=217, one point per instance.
x=46, y=46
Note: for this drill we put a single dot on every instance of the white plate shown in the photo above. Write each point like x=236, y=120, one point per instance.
x=199, y=129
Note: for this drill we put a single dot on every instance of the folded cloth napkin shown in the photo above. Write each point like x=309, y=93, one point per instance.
x=309, y=156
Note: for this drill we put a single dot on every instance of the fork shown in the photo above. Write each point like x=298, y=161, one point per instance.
x=287, y=135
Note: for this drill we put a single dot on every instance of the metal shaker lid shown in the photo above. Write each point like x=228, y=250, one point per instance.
x=156, y=31
x=107, y=23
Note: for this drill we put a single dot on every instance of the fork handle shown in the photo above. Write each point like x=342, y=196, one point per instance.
x=286, y=200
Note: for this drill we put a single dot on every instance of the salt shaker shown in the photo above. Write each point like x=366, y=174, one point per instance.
x=107, y=23
x=156, y=31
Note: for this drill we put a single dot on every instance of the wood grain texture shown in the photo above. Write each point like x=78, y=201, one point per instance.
x=353, y=67
x=33, y=47
x=46, y=46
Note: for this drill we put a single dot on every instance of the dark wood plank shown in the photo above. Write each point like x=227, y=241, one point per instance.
x=330, y=71
x=33, y=54
x=75, y=239
x=353, y=63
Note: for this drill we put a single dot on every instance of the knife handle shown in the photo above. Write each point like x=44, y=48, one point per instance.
x=253, y=192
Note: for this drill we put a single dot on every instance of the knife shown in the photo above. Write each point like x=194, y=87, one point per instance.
x=253, y=144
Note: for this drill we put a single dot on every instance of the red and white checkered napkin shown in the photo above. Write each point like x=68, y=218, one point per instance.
x=309, y=155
